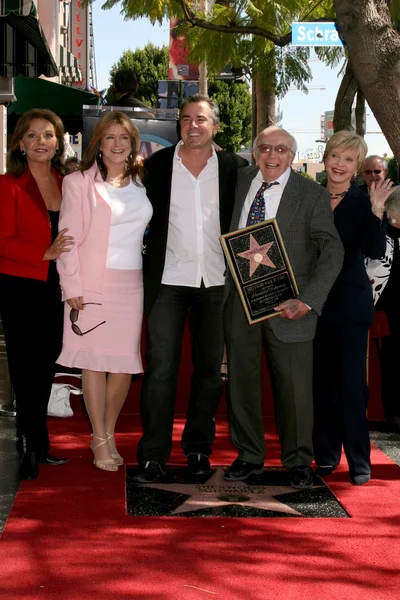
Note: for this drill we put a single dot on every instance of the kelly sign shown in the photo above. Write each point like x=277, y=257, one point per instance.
x=316, y=34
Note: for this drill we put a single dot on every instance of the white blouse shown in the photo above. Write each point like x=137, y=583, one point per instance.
x=131, y=212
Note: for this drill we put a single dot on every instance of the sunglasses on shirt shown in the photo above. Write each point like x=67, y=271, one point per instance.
x=375, y=172
x=73, y=317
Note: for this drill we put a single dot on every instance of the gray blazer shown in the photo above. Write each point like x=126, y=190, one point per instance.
x=312, y=243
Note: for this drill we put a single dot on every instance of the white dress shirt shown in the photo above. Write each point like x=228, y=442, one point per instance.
x=272, y=196
x=193, y=248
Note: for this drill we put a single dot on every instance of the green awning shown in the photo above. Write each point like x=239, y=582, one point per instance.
x=23, y=45
x=67, y=102
x=69, y=66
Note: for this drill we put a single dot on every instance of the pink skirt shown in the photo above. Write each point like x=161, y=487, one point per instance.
x=114, y=346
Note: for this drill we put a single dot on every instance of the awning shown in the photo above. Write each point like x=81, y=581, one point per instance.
x=23, y=45
x=67, y=102
x=69, y=66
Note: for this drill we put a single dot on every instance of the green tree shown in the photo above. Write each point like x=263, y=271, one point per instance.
x=234, y=101
x=259, y=36
x=149, y=65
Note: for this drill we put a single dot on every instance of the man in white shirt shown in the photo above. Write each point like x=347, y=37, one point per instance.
x=302, y=209
x=191, y=188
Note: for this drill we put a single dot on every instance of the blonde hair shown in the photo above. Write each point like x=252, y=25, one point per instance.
x=92, y=153
x=348, y=141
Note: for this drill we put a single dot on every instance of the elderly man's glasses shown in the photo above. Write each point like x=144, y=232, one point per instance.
x=73, y=317
x=267, y=149
x=374, y=171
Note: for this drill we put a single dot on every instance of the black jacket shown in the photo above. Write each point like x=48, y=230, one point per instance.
x=158, y=180
x=363, y=234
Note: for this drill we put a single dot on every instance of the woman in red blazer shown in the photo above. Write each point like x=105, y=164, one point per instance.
x=30, y=297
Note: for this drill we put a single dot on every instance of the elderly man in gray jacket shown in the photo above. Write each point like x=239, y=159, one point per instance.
x=304, y=215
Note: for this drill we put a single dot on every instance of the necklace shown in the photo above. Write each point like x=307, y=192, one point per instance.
x=337, y=196
x=117, y=181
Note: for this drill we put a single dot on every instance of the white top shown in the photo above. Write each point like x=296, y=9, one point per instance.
x=272, y=196
x=193, y=248
x=131, y=212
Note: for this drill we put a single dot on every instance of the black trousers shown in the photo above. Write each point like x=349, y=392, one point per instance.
x=390, y=361
x=32, y=317
x=166, y=324
x=341, y=396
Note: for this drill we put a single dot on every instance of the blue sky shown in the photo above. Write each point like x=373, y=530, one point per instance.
x=301, y=112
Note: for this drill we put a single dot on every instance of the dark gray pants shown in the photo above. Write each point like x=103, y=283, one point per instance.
x=166, y=324
x=291, y=373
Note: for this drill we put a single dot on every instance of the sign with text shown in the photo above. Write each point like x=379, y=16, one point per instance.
x=79, y=32
x=316, y=34
x=260, y=268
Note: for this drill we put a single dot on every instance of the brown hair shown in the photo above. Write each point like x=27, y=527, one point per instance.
x=349, y=141
x=92, y=153
x=16, y=161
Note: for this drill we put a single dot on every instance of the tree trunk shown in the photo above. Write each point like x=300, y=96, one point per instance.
x=360, y=114
x=374, y=50
x=344, y=100
x=265, y=106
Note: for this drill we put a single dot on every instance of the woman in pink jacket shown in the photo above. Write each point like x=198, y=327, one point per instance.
x=106, y=210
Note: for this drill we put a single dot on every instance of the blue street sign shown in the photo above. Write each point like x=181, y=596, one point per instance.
x=316, y=34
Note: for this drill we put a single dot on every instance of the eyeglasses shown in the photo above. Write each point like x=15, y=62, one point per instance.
x=375, y=171
x=267, y=149
x=73, y=317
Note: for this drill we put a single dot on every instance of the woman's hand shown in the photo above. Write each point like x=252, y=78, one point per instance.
x=379, y=192
x=61, y=244
x=76, y=303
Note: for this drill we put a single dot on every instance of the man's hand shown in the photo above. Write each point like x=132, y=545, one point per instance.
x=292, y=309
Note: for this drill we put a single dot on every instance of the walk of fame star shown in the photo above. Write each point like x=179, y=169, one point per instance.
x=257, y=255
x=268, y=495
x=218, y=492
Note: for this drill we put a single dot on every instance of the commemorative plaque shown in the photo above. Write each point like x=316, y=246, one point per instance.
x=260, y=268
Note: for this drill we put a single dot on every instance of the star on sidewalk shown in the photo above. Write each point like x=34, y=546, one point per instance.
x=218, y=492
x=257, y=255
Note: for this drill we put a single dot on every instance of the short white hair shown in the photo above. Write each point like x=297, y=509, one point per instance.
x=392, y=204
x=271, y=129
x=375, y=157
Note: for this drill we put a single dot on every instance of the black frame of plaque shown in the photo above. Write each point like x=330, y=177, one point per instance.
x=278, y=279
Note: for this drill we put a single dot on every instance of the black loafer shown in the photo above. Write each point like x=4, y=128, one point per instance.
x=301, y=477
x=149, y=472
x=324, y=470
x=360, y=479
x=241, y=470
x=49, y=459
x=198, y=464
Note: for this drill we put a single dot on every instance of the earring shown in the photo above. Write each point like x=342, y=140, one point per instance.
x=100, y=154
x=23, y=152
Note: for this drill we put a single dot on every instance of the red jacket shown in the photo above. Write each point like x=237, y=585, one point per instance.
x=25, y=229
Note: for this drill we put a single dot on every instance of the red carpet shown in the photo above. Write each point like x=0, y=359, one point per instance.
x=68, y=537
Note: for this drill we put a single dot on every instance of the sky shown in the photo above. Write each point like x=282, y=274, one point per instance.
x=301, y=112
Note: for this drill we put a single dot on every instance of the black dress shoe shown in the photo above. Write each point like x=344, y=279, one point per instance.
x=241, y=470
x=360, y=479
x=28, y=466
x=49, y=459
x=301, y=477
x=198, y=464
x=324, y=470
x=149, y=472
